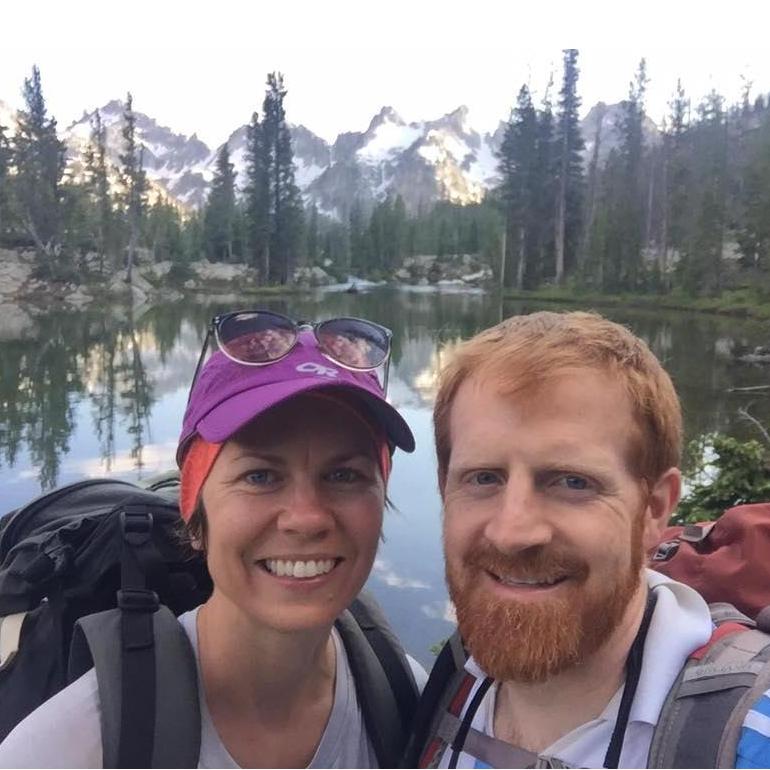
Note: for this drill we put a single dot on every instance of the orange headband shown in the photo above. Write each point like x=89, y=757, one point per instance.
x=201, y=455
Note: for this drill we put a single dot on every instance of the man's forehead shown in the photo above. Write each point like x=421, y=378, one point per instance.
x=576, y=400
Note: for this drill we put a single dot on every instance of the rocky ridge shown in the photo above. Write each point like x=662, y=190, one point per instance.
x=425, y=161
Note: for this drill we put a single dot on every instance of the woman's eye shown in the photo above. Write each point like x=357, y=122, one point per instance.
x=344, y=475
x=261, y=477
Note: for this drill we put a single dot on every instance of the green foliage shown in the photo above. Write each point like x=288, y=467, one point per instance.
x=38, y=157
x=220, y=214
x=728, y=472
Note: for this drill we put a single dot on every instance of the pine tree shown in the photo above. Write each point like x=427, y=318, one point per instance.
x=286, y=202
x=312, y=236
x=675, y=179
x=134, y=183
x=5, y=165
x=164, y=231
x=98, y=184
x=701, y=262
x=622, y=269
x=219, y=219
x=588, y=245
x=545, y=175
x=518, y=169
x=38, y=157
x=569, y=142
x=257, y=197
x=359, y=248
x=754, y=197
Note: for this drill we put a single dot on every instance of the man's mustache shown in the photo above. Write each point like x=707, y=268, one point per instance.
x=539, y=563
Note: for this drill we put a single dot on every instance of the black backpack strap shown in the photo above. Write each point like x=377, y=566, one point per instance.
x=174, y=697
x=701, y=719
x=385, y=684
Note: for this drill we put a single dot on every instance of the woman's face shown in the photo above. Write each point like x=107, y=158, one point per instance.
x=294, y=511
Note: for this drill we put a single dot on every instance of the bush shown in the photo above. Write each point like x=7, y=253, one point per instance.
x=728, y=472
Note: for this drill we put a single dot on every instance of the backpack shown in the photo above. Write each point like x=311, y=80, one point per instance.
x=94, y=574
x=701, y=720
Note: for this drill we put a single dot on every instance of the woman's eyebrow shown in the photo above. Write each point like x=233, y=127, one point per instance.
x=346, y=456
x=255, y=454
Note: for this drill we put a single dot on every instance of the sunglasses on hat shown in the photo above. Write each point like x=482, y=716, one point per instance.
x=262, y=337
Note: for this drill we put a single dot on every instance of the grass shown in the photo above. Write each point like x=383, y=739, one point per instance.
x=743, y=303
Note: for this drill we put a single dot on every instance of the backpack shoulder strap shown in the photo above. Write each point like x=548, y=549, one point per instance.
x=701, y=719
x=173, y=699
x=384, y=681
x=444, y=695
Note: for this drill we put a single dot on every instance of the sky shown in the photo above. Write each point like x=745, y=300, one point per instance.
x=199, y=67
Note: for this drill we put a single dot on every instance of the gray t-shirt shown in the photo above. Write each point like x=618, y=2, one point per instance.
x=65, y=730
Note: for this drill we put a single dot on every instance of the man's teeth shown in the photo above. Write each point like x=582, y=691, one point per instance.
x=528, y=581
x=299, y=569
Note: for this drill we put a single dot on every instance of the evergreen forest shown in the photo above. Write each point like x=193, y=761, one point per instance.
x=684, y=212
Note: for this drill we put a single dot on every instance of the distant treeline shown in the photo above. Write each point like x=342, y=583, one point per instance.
x=688, y=212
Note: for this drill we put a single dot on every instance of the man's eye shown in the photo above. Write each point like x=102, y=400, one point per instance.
x=484, y=478
x=573, y=482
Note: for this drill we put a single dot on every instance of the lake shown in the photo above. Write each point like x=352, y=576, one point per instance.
x=102, y=393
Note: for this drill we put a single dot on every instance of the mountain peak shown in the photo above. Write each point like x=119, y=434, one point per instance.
x=386, y=115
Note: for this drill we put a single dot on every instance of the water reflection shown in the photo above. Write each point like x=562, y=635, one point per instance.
x=103, y=392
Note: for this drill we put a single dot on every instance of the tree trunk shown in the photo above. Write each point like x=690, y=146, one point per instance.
x=521, y=264
x=663, y=251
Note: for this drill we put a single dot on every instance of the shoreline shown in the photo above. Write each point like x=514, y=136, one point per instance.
x=734, y=304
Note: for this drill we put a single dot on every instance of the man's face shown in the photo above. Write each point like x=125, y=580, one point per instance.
x=544, y=522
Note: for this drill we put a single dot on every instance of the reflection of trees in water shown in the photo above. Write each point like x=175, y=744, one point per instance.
x=74, y=356
x=103, y=358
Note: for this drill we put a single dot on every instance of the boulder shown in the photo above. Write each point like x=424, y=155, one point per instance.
x=221, y=271
x=312, y=276
x=78, y=298
x=479, y=277
x=118, y=283
x=14, y=273
x=157, y=269
x=15, y=323
x=402, y=275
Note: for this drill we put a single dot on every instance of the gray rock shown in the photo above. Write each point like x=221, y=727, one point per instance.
x=15, y=323
x=78, y=298
x=14, y=274
x=312, y=276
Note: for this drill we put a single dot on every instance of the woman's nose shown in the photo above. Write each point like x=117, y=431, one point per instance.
x=306, y=512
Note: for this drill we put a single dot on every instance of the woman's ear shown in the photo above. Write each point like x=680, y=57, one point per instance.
x=661, y=504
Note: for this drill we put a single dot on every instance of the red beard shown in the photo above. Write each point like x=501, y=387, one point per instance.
x=535, y=640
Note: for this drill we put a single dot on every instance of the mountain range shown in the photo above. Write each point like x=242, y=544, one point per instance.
x=425, y=161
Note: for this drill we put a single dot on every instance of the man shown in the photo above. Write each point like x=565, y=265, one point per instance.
x=558, y=439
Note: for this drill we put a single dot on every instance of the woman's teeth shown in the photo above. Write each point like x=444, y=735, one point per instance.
x=299, y=569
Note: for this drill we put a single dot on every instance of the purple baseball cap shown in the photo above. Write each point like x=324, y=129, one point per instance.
x=227, y=395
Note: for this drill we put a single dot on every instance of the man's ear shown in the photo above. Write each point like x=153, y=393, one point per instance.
x=661, y=503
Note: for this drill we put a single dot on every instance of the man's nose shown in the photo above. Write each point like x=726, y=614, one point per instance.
x=306, y=512
x=521, y=520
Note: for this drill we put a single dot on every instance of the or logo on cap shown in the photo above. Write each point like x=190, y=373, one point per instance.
x=314, y=368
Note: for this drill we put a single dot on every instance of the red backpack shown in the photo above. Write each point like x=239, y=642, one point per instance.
x=727, y=560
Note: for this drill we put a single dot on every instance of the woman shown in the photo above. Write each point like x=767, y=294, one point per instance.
x=284, y=455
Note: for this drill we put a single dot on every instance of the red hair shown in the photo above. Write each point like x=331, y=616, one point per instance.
x=525, y=351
